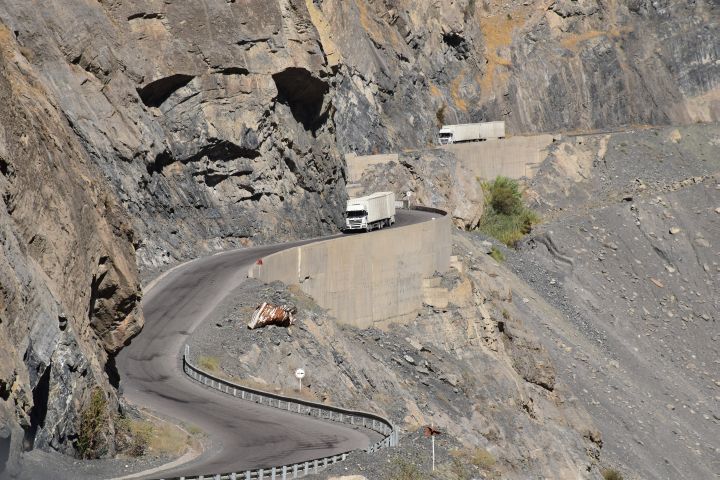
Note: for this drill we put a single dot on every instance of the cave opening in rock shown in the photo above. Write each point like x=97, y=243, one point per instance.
x=458, y=43
x=112, y=372
x=304, y=94
x=162, y=160
x=5, y=439
x=38, y=412
x=155, y=93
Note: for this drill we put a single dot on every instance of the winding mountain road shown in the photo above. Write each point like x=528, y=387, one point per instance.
x=242, y=435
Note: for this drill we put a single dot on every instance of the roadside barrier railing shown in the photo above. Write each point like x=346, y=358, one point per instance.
x=298, y=406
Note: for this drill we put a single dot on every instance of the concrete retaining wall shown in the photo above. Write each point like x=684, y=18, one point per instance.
x=513, y=157
x=366, y=279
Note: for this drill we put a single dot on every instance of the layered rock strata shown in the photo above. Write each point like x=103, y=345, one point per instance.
x=69, y=289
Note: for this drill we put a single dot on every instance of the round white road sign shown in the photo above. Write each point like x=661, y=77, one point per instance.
x=300, y=373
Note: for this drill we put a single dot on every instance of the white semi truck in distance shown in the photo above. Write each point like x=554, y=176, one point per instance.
x=471, y=132
x=370, y=212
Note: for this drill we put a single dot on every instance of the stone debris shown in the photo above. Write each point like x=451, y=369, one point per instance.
x=657, y=282
x=610, y=245
x=266, y=314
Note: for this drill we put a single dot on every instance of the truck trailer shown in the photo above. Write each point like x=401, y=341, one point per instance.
x=370, y=212
x=471, y=132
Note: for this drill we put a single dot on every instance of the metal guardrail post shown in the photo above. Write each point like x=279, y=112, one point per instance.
x=382, y=426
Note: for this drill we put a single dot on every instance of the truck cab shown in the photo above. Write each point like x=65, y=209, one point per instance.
x=445, y=136
x=372, y=212
x=356, y=217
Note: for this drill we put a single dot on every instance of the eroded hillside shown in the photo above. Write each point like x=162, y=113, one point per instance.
x=467, y=363
x=627, y=256
x=631, y=255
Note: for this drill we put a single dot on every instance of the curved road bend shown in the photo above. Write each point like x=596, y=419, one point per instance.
x=242, y=435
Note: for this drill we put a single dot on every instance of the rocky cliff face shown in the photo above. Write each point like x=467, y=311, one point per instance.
x=542, y=66
x=69, y=293
x=209, y=120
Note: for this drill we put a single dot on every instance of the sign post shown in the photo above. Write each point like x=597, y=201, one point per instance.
x=431, y=432
x=432, y=439
x=300, y=373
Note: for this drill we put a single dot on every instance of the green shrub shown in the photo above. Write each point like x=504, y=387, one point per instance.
x=611, y=474
x=210, y=364
x=504, y=195
x=404, y=470
x=481, y=458
x=132, y=437
x=506, y=218
x=94, y=420
x=497, y=255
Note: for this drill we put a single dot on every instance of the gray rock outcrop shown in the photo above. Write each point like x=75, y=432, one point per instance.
x=69, y=289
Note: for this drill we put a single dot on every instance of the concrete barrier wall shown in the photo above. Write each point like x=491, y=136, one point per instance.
x=366, y=279
x=513, y=157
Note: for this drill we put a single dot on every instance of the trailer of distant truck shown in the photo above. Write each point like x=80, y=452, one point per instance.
x=471, y=132
x=371, y=212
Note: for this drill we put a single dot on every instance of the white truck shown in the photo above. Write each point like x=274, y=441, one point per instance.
x=370, y=212
x=471, y=132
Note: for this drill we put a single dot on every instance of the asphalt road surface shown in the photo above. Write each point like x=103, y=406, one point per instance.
x=242, y=435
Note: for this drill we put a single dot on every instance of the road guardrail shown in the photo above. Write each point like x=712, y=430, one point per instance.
x=298, y=406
